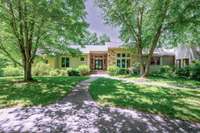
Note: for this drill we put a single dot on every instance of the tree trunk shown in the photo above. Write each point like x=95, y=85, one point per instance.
x=155, y=39
x=142, y=69
x=147, y=67
x=153, y=46
x=27, y=71
x=140, y=55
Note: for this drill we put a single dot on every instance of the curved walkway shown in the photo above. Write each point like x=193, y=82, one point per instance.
x=77, y=112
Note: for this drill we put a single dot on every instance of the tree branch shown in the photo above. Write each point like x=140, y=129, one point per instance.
x=2, y=48
x=39, y=36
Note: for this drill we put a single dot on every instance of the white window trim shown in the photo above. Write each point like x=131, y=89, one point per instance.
x=121, y=58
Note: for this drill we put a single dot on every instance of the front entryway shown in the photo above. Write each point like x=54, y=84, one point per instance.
x=98, y=61
x=99, y=64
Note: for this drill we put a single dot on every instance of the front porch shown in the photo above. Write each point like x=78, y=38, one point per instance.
x=98, y=61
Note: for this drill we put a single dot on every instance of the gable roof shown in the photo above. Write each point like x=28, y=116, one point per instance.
x=187, y=52
x=86, y=49
x=160, y=52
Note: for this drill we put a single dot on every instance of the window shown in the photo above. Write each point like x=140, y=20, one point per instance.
x=65, y=62
x=155, y=61
x=123, y=60
x=123, y=63
x=82, y=59
x=118, y=55
x=118, y=62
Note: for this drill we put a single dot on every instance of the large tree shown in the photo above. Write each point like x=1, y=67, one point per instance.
x=27, y=25
x=144, y=22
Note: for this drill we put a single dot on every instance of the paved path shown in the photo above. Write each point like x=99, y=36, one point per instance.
x=79, y=113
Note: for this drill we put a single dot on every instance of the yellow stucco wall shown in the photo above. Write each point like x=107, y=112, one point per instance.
x=55, y=62
x=52, y=62
x=168, y=60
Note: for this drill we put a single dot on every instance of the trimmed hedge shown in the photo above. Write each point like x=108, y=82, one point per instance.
x=58, y=72
x=41, y=69
x=73, y=72
x=123, y=71
x=114, y=70
x=84, y=70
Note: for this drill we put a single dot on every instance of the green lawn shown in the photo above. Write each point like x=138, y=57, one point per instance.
x=46, y=90
x=181, y=103
x=165, y=82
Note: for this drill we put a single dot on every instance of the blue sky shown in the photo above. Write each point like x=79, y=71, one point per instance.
x=97, y=24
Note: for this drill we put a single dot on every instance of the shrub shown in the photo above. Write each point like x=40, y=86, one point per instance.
x=41, y=69
x=63, y=72
x=54, y=72
x=84, y=70
x=123, y=71
x=113, y=70
x=183, y=72
x=73, y=72
x=58, y=72
x=166, y=69
x=195, y=70
x=12, y=71
x=135, y=70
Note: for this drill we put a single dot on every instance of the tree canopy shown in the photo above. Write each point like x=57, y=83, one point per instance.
x=148, y=23
x=27, y=25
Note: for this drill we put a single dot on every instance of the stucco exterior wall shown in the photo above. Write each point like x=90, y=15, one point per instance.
x=167, y=60
x=52, y=61
x=164, y=60
x=74, y=62
x=55, y=62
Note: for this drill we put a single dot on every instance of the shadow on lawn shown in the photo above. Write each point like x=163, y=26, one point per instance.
x=175, y=103
x=178, y=82
x=78, y=113
x=46, y=90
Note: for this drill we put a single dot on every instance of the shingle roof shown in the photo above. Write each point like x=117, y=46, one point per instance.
x=187, y=52
x=161, y=52
x=91, y=48
x=104, y=48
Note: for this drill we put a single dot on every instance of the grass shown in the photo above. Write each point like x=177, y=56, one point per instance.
x=172, y=82
x=45, y=91
x=175, y=103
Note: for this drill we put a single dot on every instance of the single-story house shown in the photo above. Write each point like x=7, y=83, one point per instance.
x=100, y=57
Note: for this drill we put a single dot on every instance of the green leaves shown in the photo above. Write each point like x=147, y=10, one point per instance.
x=181, y=16
x=50, y=19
